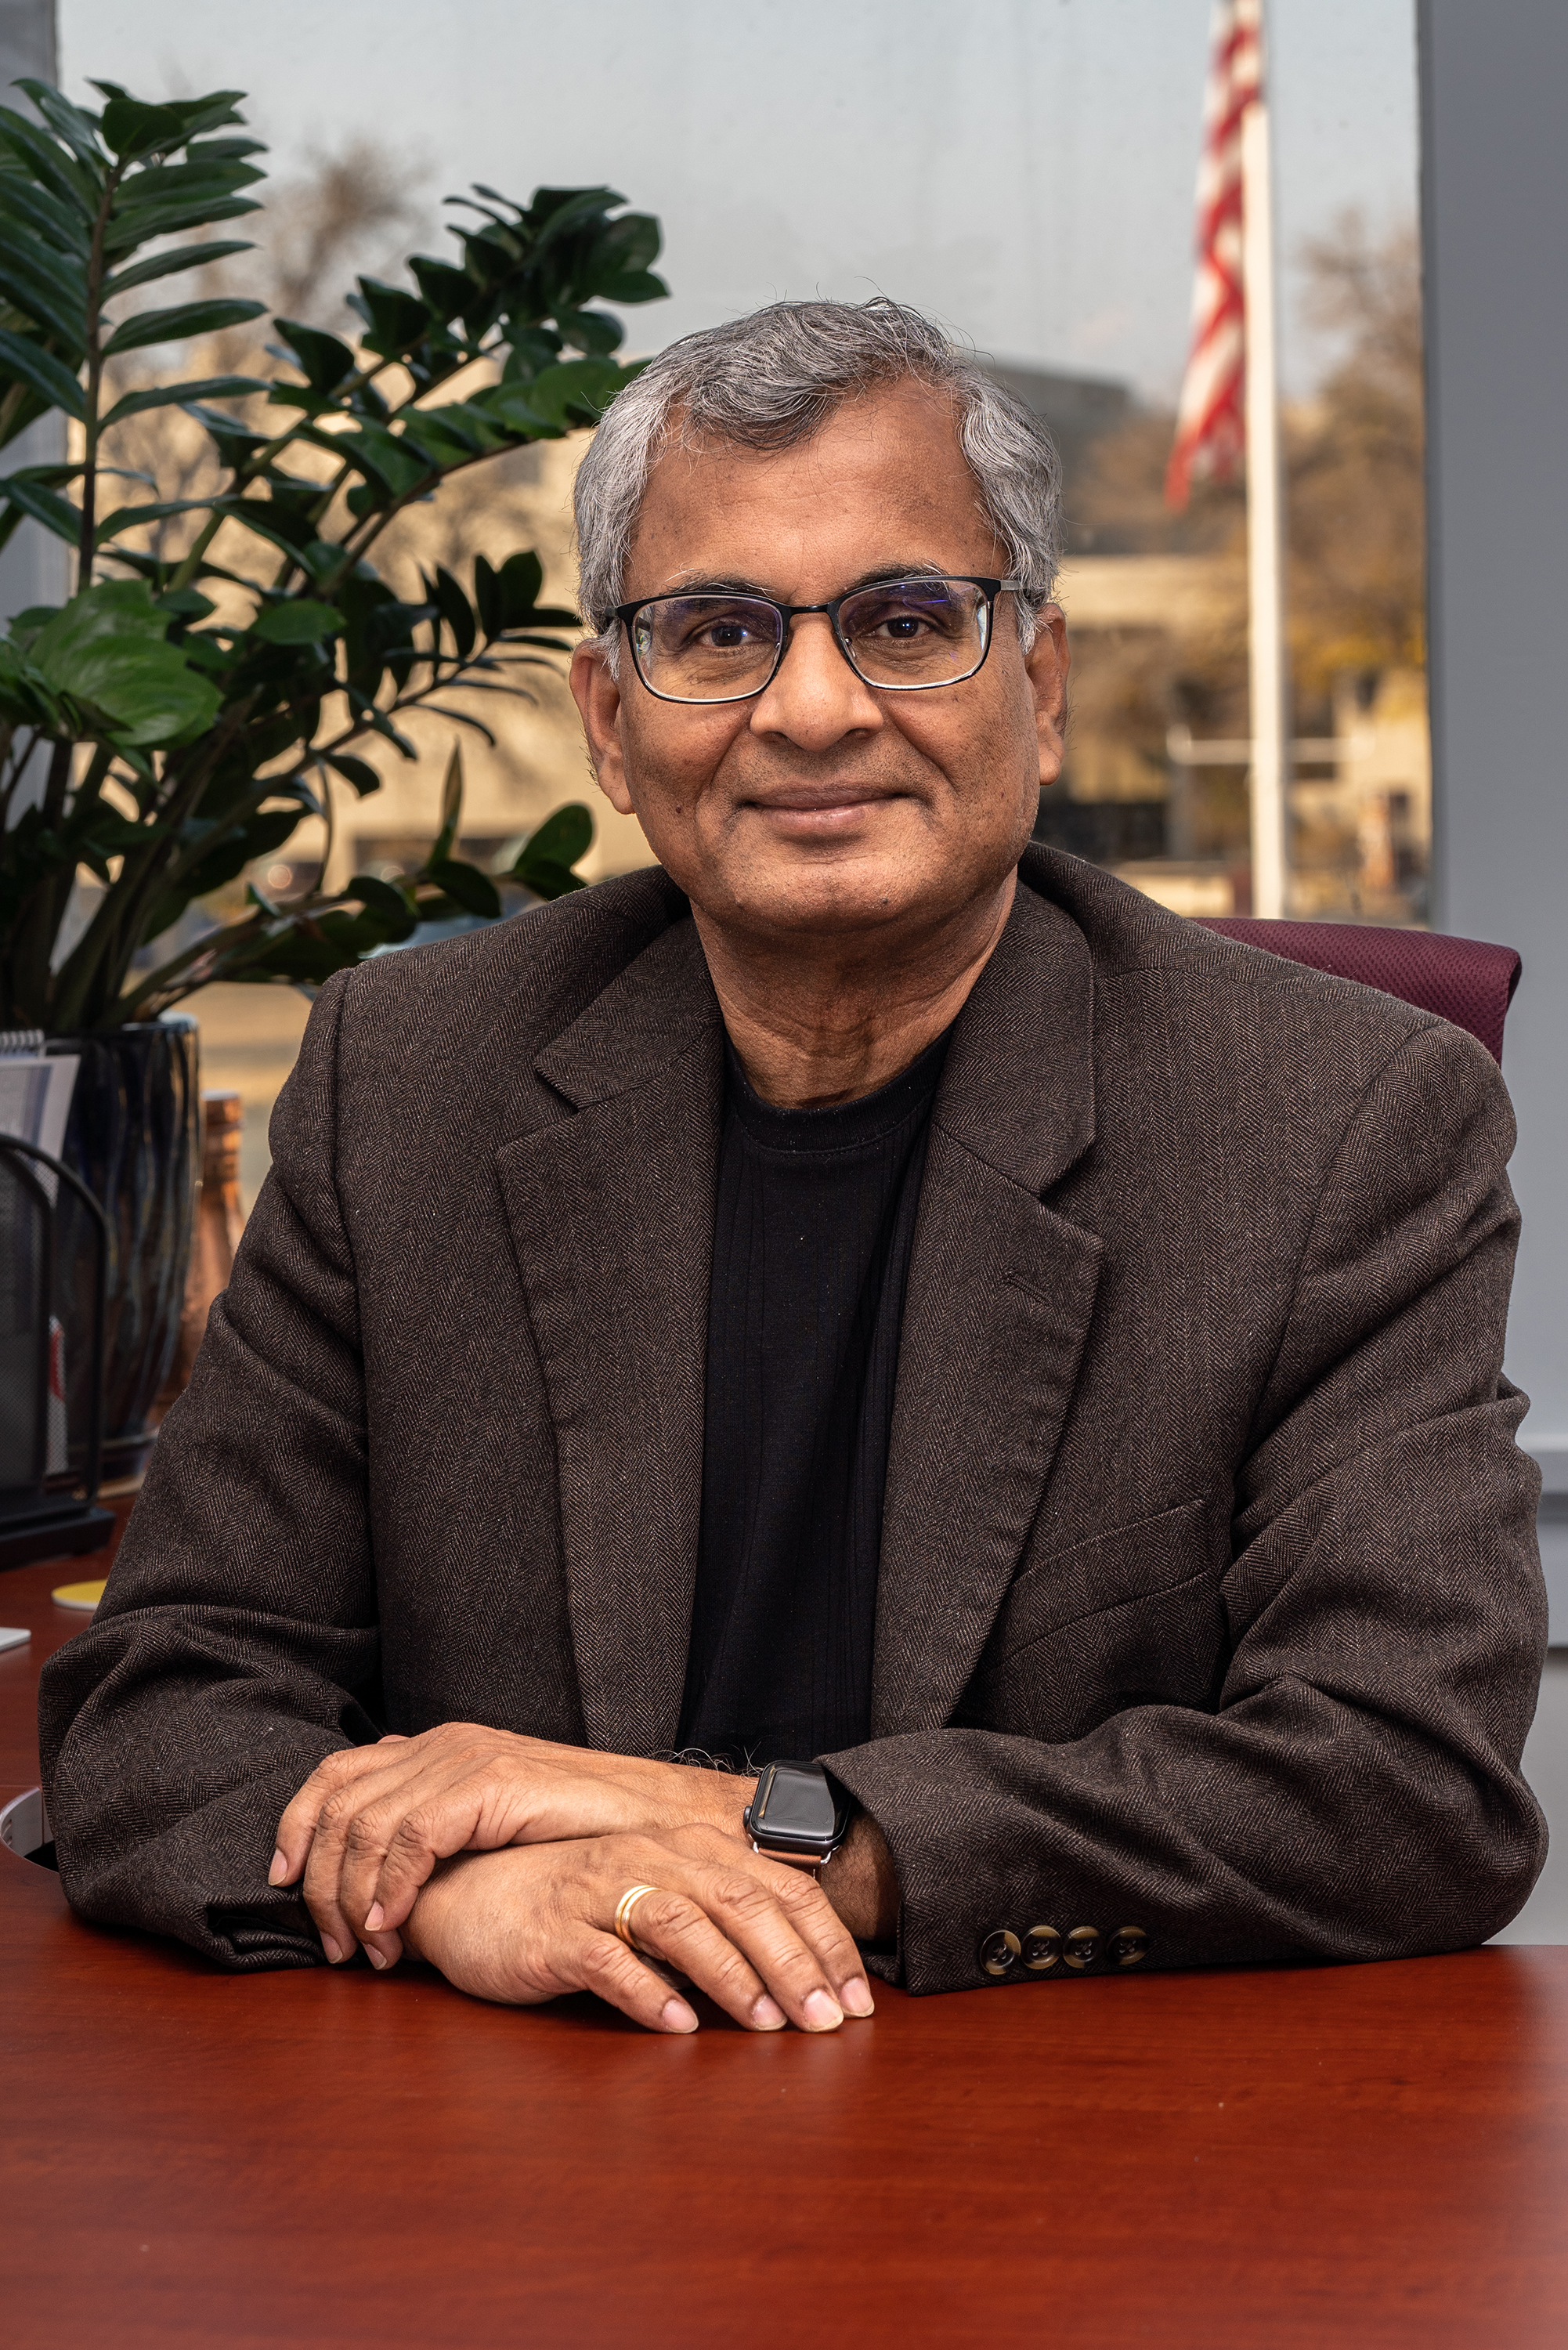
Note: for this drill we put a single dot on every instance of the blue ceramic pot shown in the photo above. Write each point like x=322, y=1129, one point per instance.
x=134, y=1140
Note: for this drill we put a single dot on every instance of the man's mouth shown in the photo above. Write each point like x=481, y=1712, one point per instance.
x=819, y=807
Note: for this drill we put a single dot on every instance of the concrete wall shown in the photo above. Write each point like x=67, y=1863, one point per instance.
x=1494, y=93
x=1495, y=213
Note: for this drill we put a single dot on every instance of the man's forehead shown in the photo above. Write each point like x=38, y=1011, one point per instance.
x=884, y=481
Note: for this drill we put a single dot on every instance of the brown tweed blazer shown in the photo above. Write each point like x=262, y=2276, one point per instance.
x=1209, y=1600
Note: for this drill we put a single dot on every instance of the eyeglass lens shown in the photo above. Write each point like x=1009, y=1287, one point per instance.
x=900, y=632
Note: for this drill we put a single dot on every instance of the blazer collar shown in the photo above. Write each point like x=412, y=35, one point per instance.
x=1000, y=1296
x=610, y=1203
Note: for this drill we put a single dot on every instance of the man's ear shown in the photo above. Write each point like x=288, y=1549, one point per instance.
x=598, y=697
x=1047, y=662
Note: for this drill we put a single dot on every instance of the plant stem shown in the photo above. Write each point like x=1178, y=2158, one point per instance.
x=87, y=540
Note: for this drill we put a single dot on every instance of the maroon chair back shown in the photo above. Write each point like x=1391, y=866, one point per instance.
x=1461, y=980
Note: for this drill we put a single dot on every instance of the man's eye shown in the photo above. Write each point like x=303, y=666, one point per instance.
x=900, y=622
x=724, y=636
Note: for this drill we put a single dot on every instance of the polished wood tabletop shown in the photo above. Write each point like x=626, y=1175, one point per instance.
x=1354, y=2155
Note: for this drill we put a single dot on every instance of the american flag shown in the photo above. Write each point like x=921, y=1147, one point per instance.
x=1209, y=419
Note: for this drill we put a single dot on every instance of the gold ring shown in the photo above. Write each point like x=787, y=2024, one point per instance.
x=623, y=1909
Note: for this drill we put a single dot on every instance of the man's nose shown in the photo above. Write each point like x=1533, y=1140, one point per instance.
x=816, y=697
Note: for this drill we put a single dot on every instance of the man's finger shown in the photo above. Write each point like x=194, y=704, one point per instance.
x=806, y=1903
x=603, y=1964
x=672, y=1926
x=390, y=1848
x=763, y=1919
x=298, y=1825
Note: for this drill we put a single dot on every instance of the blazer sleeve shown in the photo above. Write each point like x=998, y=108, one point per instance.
x=1354, y=1792
x=238, y=1629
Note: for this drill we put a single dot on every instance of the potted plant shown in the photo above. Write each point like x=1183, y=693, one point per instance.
x=181, y=713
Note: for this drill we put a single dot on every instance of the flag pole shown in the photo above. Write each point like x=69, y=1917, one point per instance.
x=1265, y=569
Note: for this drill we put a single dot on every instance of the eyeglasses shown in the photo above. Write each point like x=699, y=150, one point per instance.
x=904, y=636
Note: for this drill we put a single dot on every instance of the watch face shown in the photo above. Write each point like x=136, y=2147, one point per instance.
x=796, y=1802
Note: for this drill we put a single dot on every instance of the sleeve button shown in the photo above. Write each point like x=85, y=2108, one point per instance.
x=1083, y=1948
x=1129, y=1946
x=999, y=1953
x=1041, y=1949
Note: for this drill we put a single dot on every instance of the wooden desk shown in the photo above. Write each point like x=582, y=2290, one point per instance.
x=1258, y=2160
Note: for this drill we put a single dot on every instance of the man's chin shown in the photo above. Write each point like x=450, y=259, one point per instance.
x=832, y=897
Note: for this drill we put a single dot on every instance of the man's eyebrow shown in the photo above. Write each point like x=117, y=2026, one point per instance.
x=734, y=583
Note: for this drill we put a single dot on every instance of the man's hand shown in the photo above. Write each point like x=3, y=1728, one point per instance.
x=371, y=1822
x=761, y=1940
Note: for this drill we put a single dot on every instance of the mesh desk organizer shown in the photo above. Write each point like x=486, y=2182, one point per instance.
x=48, y=1490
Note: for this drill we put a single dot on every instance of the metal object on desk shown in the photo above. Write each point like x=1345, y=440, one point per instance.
x=24, y=1828
x=41, y=1515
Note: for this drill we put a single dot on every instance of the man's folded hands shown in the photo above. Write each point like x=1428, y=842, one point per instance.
x=500, y=1859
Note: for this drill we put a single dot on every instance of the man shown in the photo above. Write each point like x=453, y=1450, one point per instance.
x=866, y=1295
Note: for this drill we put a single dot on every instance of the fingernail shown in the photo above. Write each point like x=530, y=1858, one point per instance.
x=278, y=1873
x=767, y=2014
x=331, y=1948
x=378, y=1959
x=856, y=1997
x=676, y=2016
x=822, y=2011
x=373, y=1918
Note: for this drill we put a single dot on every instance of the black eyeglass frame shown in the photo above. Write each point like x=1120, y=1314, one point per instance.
x=627, y=613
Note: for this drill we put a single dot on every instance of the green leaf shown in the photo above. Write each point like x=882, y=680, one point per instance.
x=28, y=362
x=165, y=395
x=324, y=361
x=131, y=128
x=378, y=453
x=450, y=806
x=475, y=891
x=397, y=318
x=77, y=188
x=383, y=899
x=577, y=392
x=170, y=263
x=448, y=436
x=155, y=510
x=448, y=292
x=564, y=839
x=56, y=513
x=182, y=319
x=67, y=122
x=41, y=299
x=56, y=223
x=136, y=224
x=299, y=623
x=106, y=649
x=630, y=243
x=357, y=771
x=632, y=286
x=591, y=330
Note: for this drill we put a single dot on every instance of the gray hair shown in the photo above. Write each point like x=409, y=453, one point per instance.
x=773, y=378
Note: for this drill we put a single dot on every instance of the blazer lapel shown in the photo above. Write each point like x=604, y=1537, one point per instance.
x=1000, y=1294
x=610, y=1203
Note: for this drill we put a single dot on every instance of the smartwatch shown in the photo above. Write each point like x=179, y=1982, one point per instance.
x=797, y=1814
